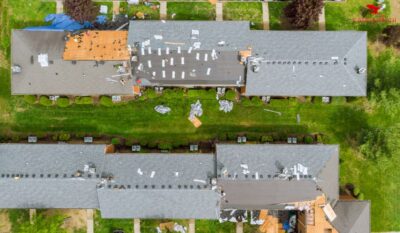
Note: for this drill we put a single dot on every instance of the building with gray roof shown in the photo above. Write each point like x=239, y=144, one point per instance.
x=282, y=63
x=57, y=76
x=283, y=173
x=175, y=186
x=353, y=216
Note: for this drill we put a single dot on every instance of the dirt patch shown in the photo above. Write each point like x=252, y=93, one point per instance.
x=376, y=47
x=395, y=10
x=5, y=225
x=74, y=218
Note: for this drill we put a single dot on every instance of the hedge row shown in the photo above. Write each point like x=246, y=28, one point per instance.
x=65, y=101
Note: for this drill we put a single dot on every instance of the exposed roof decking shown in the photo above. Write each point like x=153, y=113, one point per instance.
x=61, y=77
x=97, y=46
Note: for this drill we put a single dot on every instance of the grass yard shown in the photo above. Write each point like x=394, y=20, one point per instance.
x=109, y=8
x=151, y=12
x=276, y=15
x=367, y=129
x=191, y=11
x=340, y=15
x=250, y=11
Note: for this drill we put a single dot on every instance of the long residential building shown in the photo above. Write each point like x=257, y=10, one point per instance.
x=189, y=54
x=300, y=181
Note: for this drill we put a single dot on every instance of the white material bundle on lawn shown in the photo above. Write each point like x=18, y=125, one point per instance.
x=162, y=109
x=196, y=109
x=225, y=105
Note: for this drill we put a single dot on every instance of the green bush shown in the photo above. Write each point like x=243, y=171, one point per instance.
x=63, y=102
x=165, y=146
x=84, y=100
x=150, y=93
x=64, y=137
x=152, y=144
x=320, y=138
x=173, y=93
x=245, y=101
x=30, y=99
x=106, y=101
x=231, y=136
x=267, y=138
x=54, y=137
x=253, y=137
x=356, y=191
x=230, y=95
x=308, y=139
x=200, y=94
x=256, y=101
x=222, y=136
x=45, y=101
x=360, y=196
x=15, y=138
x=116, y=141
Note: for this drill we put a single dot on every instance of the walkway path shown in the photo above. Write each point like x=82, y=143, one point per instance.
x=395, y=10
x=321, y=20
x=219, y=11
x=89, y=221
x=265, y=15
x=163, y=9
x=59, y=6
x=116, y=8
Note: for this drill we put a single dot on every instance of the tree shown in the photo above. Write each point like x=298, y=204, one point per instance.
x=391, y=36
x=81, y=10
x=301, y=14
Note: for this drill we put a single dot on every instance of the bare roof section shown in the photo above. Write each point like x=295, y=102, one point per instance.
x=61, y=77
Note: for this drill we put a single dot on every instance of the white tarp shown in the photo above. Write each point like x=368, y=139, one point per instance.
x=43, y=60
x=162, y=109
x=225, y=105
x=196, y=109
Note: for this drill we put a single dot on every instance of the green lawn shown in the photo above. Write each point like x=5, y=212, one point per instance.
x=250, y=11
x=276, y=15
x=151, y=12
x=339, y=16
x=109, y=8
x=190, y=11
x=349, y=124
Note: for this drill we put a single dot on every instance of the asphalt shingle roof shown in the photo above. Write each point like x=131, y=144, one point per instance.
x=61, y=77
x=247, y=173
x=352, y=216
x=287, y=67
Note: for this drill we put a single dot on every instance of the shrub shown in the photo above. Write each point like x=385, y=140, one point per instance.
x=231, y=136
x=245, y=101
x=302, y=14
x=63, y=102
x=360, y=196
x=45, y=101
x=54, y=137
x=356, y=191
x=150, y=93
x=253, y=137
x=173, y=93
x=267, y=138
x=81, y=10
x=30, y=99
x=84, y=100
x=230, y=95
x=64, y=137
x=222, y=136
x=106, y=101
x=15, y=138
x=152, y=144
x=308, y=139
x=165, y=146
x=391, y=36
x=116, y=141
x=256, y=101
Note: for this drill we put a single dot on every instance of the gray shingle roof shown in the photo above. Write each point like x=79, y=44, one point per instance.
x=161, y=185
x=262, y=163
x=274, y=48
x=61, y=77
x=352, y=216
x=159, y=204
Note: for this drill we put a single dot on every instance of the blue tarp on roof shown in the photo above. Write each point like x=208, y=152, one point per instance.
x=61, y=22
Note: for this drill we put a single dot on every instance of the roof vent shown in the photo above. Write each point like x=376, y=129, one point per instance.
x=255, y=68
x=361, y=70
